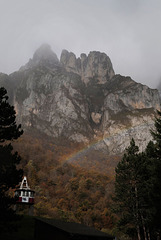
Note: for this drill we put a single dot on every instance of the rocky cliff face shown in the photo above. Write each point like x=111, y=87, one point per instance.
x=82, y=100
x=96, y=65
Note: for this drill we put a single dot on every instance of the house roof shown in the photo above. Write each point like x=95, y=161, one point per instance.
x=75, y=228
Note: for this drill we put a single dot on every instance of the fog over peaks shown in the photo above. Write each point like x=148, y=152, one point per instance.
x=45, y=52
x=127, y=31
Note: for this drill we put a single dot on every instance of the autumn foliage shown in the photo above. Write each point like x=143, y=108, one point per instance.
x=73, y=191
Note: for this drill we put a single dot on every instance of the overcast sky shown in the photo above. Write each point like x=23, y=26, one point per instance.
x=128, y=31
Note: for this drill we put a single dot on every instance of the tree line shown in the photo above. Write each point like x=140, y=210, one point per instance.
x=137, y=200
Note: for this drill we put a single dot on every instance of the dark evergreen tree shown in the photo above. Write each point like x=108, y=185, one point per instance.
x=132, y=193
x=156, y=156
x=150, y=153
x=8, y=128
x=10, y=176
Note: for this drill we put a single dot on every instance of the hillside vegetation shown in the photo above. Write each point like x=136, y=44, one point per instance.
x=67, y=190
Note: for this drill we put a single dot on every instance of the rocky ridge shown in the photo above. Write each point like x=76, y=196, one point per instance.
x=82, y=100
x=95, y=65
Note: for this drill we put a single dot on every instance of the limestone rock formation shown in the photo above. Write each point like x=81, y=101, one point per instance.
x=96, y=65
x=82, y=100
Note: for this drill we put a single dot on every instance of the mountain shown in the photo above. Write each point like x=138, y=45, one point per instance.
x=81, y=100
x=78, y=117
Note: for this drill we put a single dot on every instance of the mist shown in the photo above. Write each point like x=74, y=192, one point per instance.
x=126, y=30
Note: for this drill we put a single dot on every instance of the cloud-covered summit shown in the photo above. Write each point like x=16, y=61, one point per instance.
x=42, y=56
x=126, y=30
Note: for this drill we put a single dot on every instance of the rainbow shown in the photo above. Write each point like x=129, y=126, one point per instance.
x=105, y=140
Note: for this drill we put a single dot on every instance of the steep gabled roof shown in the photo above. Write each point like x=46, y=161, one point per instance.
x=75, y=228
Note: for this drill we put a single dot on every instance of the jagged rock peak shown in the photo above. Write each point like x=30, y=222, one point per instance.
x=70, y=62
x=96, y=65
x=44, y=52
x=42, y=56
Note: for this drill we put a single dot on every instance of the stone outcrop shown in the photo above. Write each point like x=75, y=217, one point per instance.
x=43, y=56
x=96, y=65
x=82, y=100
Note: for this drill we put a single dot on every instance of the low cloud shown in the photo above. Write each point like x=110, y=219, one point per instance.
x=127, y=31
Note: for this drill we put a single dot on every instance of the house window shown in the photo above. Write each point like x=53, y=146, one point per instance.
x=31, y=194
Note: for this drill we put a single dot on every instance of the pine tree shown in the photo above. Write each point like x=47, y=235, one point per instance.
x=10, y=176
x=156, y=156
x=8, y=128
x=132, y=193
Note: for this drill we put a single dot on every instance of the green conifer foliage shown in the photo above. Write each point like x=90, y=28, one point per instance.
x=133, y=185
x=156, y=156
x=8, y=128
x=10, y=176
